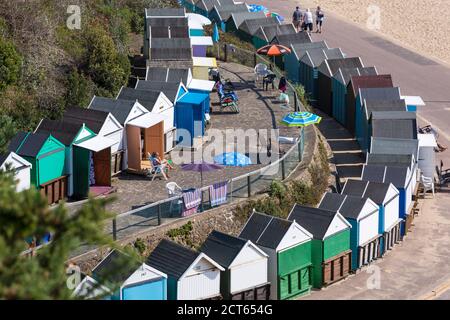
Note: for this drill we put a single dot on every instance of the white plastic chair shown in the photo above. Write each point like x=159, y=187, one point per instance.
x=260, y=71
x=428, y=185
x=173, y=189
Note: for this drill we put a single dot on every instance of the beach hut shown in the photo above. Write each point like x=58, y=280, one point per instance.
x=427, y=155
x=221, y=14
x=292, y=59
x=288, y=246
x=136, y=281
x=155, y=102
x=190, y=118
x=265, y=34
x=395, y=146
x=357, y=82
x=413, y=103
x=165, y=13
x=339, y=84
x=103, y=124
x=237, y=18
x=362, y=118
x=47, y=156
x=87, y=157
x=22, y=169
x=400, y=177
x=326, y=71
x=170, y=52
x=249, y=27
x=363, y=215
x=201, y=67
x=387, y=197
x=245, y=274
x=331, y=253
x=287, y=40
x=200, y=45
x=191, y=275
x=189, y=5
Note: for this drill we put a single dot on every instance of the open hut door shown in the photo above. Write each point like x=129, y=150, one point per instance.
x=154, y=139
x=80, y=172
x=102, y=167
x=134, y=147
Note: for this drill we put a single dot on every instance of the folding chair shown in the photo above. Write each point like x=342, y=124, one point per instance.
x=157, y=170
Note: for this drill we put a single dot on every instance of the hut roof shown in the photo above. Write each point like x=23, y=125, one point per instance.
x=378, y=81
x=222, y=248
x=316, y=221
x=292, y=38
x=166, y=22
x=264, y=230
x=344, y=75
x=395, y=127
x=372, y=106
x=168, y=32
x=119, y=108
x=349, y=206
x=167, y=74
x=374, y=190
x=165, y=12
x=106, y=270
x=224, y=12
x=380, y=93
x=144, y=97
x=330, y=66
x=4, y=156
x=250, y=26
x=170, y=89
x=172, y=258
x=16, y=141
x=170, y=49
x=94, y=119
x=299, y=49
x=65, y=131
x=267, y=33
x=208, y=5
x=384, y=174
x=395, y=146
x=392, y=160
x=239, y=17
x=315, y=57
x=30, y=144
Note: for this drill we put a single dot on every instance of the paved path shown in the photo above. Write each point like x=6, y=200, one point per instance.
x=415, y=74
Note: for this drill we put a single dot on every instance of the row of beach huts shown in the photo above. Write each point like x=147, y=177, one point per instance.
x=165, y=106
x=275, y=258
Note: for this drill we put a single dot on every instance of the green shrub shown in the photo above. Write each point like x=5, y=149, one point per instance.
x=10, y=63
x=80, y=89
x=140, y=246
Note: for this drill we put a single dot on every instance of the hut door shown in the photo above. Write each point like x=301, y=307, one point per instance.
x=154, y=139
x=133, y=147
x=102, y=167
x=304, y=279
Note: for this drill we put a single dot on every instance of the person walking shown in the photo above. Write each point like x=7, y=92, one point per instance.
x=308, y=21
x=319, y=19
x=297, y=19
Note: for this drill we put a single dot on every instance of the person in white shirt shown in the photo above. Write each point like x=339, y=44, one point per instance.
x=319, y=19
x=308, y=20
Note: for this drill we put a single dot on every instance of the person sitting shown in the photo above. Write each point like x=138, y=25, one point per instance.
x=282, y=85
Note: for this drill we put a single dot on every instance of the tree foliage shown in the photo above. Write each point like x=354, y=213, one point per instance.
x=10, y=63
x=7, y=131
x=43, y=276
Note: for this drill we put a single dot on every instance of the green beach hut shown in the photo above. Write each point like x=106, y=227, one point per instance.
x=46, y=154
x=288, y=246
x=87, y=156
x=330, y=247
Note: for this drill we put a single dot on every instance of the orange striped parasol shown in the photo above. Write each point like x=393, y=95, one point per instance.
x=273, y=50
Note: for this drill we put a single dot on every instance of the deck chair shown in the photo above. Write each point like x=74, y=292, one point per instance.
x=157, y=170
x=443, y=177
x=427, y=184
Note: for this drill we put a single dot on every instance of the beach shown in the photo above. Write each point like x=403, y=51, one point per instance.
x=422, y=25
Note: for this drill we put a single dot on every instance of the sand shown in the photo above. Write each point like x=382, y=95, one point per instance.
x=423, y=25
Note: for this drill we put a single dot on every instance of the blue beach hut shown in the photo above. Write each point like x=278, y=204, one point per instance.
x=138, y=282
x=190, y=119
x=386, y=196
x=363, y=215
